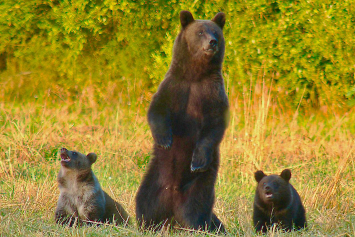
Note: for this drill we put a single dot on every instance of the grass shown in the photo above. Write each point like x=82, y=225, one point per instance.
x=263, y=133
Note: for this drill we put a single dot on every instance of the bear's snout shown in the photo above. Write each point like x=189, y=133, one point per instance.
x=267, y=188
x=211, y=46
x=64, y=157
x=63, y=150
x=213, y=43
x=268, y=192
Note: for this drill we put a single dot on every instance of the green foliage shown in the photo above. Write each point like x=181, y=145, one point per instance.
x=305, y=46
x=308, y=44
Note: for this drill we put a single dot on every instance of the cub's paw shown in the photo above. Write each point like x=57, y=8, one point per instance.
x=200, y=161
x=164, y=141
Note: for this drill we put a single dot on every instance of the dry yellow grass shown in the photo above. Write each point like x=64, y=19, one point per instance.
x=262, y=134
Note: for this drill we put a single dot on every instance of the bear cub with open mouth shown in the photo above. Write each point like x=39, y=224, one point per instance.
x=277, y=201
x=81, y=198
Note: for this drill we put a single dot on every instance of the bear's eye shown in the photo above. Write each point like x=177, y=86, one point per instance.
x=74, y=153
x=200, y=33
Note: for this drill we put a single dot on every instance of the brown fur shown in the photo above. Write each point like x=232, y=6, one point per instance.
x=277, y=201
x=187, y=117
x=81, y=197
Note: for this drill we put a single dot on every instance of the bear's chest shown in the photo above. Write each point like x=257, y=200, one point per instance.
x=194, y=100
x=78, y=193
x=191, y=104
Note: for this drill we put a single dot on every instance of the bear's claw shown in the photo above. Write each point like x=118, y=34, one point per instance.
x=201, y=159
x=198, y=168
x=164, y=141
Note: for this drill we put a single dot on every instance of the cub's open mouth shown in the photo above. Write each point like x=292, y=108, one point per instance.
x=268, y=194
x=64, y=157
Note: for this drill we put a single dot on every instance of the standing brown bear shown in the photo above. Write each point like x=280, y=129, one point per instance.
x=81, y=198
x=277, y=201
x=187, y=118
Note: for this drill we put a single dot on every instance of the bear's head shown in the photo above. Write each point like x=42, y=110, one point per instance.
x=200, y=40
x=75, y=160
x=274, y=188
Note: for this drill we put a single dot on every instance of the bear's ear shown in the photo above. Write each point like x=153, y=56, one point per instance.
x=91, y=157
x=286, y=174
x=220, y=19
x=259, y=175
x=186, y=18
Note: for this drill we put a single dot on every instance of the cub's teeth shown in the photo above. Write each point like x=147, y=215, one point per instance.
x=65, y=158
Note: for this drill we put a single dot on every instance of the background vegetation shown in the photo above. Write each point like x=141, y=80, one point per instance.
x=80, y=74
x=306, y=46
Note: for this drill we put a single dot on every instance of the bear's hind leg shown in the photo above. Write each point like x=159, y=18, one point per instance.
x=151, y=216
x=195, y=211
x=152, y=210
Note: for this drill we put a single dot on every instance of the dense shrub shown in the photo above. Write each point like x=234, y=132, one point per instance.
x=306, y=46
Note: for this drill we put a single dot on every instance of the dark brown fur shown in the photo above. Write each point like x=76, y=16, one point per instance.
x=187, y=117
x=81, y=197
x=276, y=201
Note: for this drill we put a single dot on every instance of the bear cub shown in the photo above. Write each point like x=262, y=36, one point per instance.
x=81, y=198
x=277, y=201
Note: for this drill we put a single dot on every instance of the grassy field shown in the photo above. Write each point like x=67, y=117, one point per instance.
x=263, y=134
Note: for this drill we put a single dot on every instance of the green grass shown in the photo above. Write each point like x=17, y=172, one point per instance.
x=318, y=148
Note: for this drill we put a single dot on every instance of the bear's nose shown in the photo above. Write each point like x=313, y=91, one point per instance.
x=213, y=43
x=267, y=188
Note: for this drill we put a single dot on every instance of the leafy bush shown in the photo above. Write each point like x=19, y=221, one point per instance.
x=306, y=46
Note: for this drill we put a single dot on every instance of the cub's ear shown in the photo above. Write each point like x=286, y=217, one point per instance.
x=91, y=157
x=286, y=174
x=259, y=175
x=220, y=19
x=186, y=18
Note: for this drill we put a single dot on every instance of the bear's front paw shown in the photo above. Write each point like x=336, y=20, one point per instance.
x=164, y=141
x=200, y=161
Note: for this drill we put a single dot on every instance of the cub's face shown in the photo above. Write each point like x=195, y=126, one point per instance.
x=76, y=160
x=273, y=188
x=204, y=38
